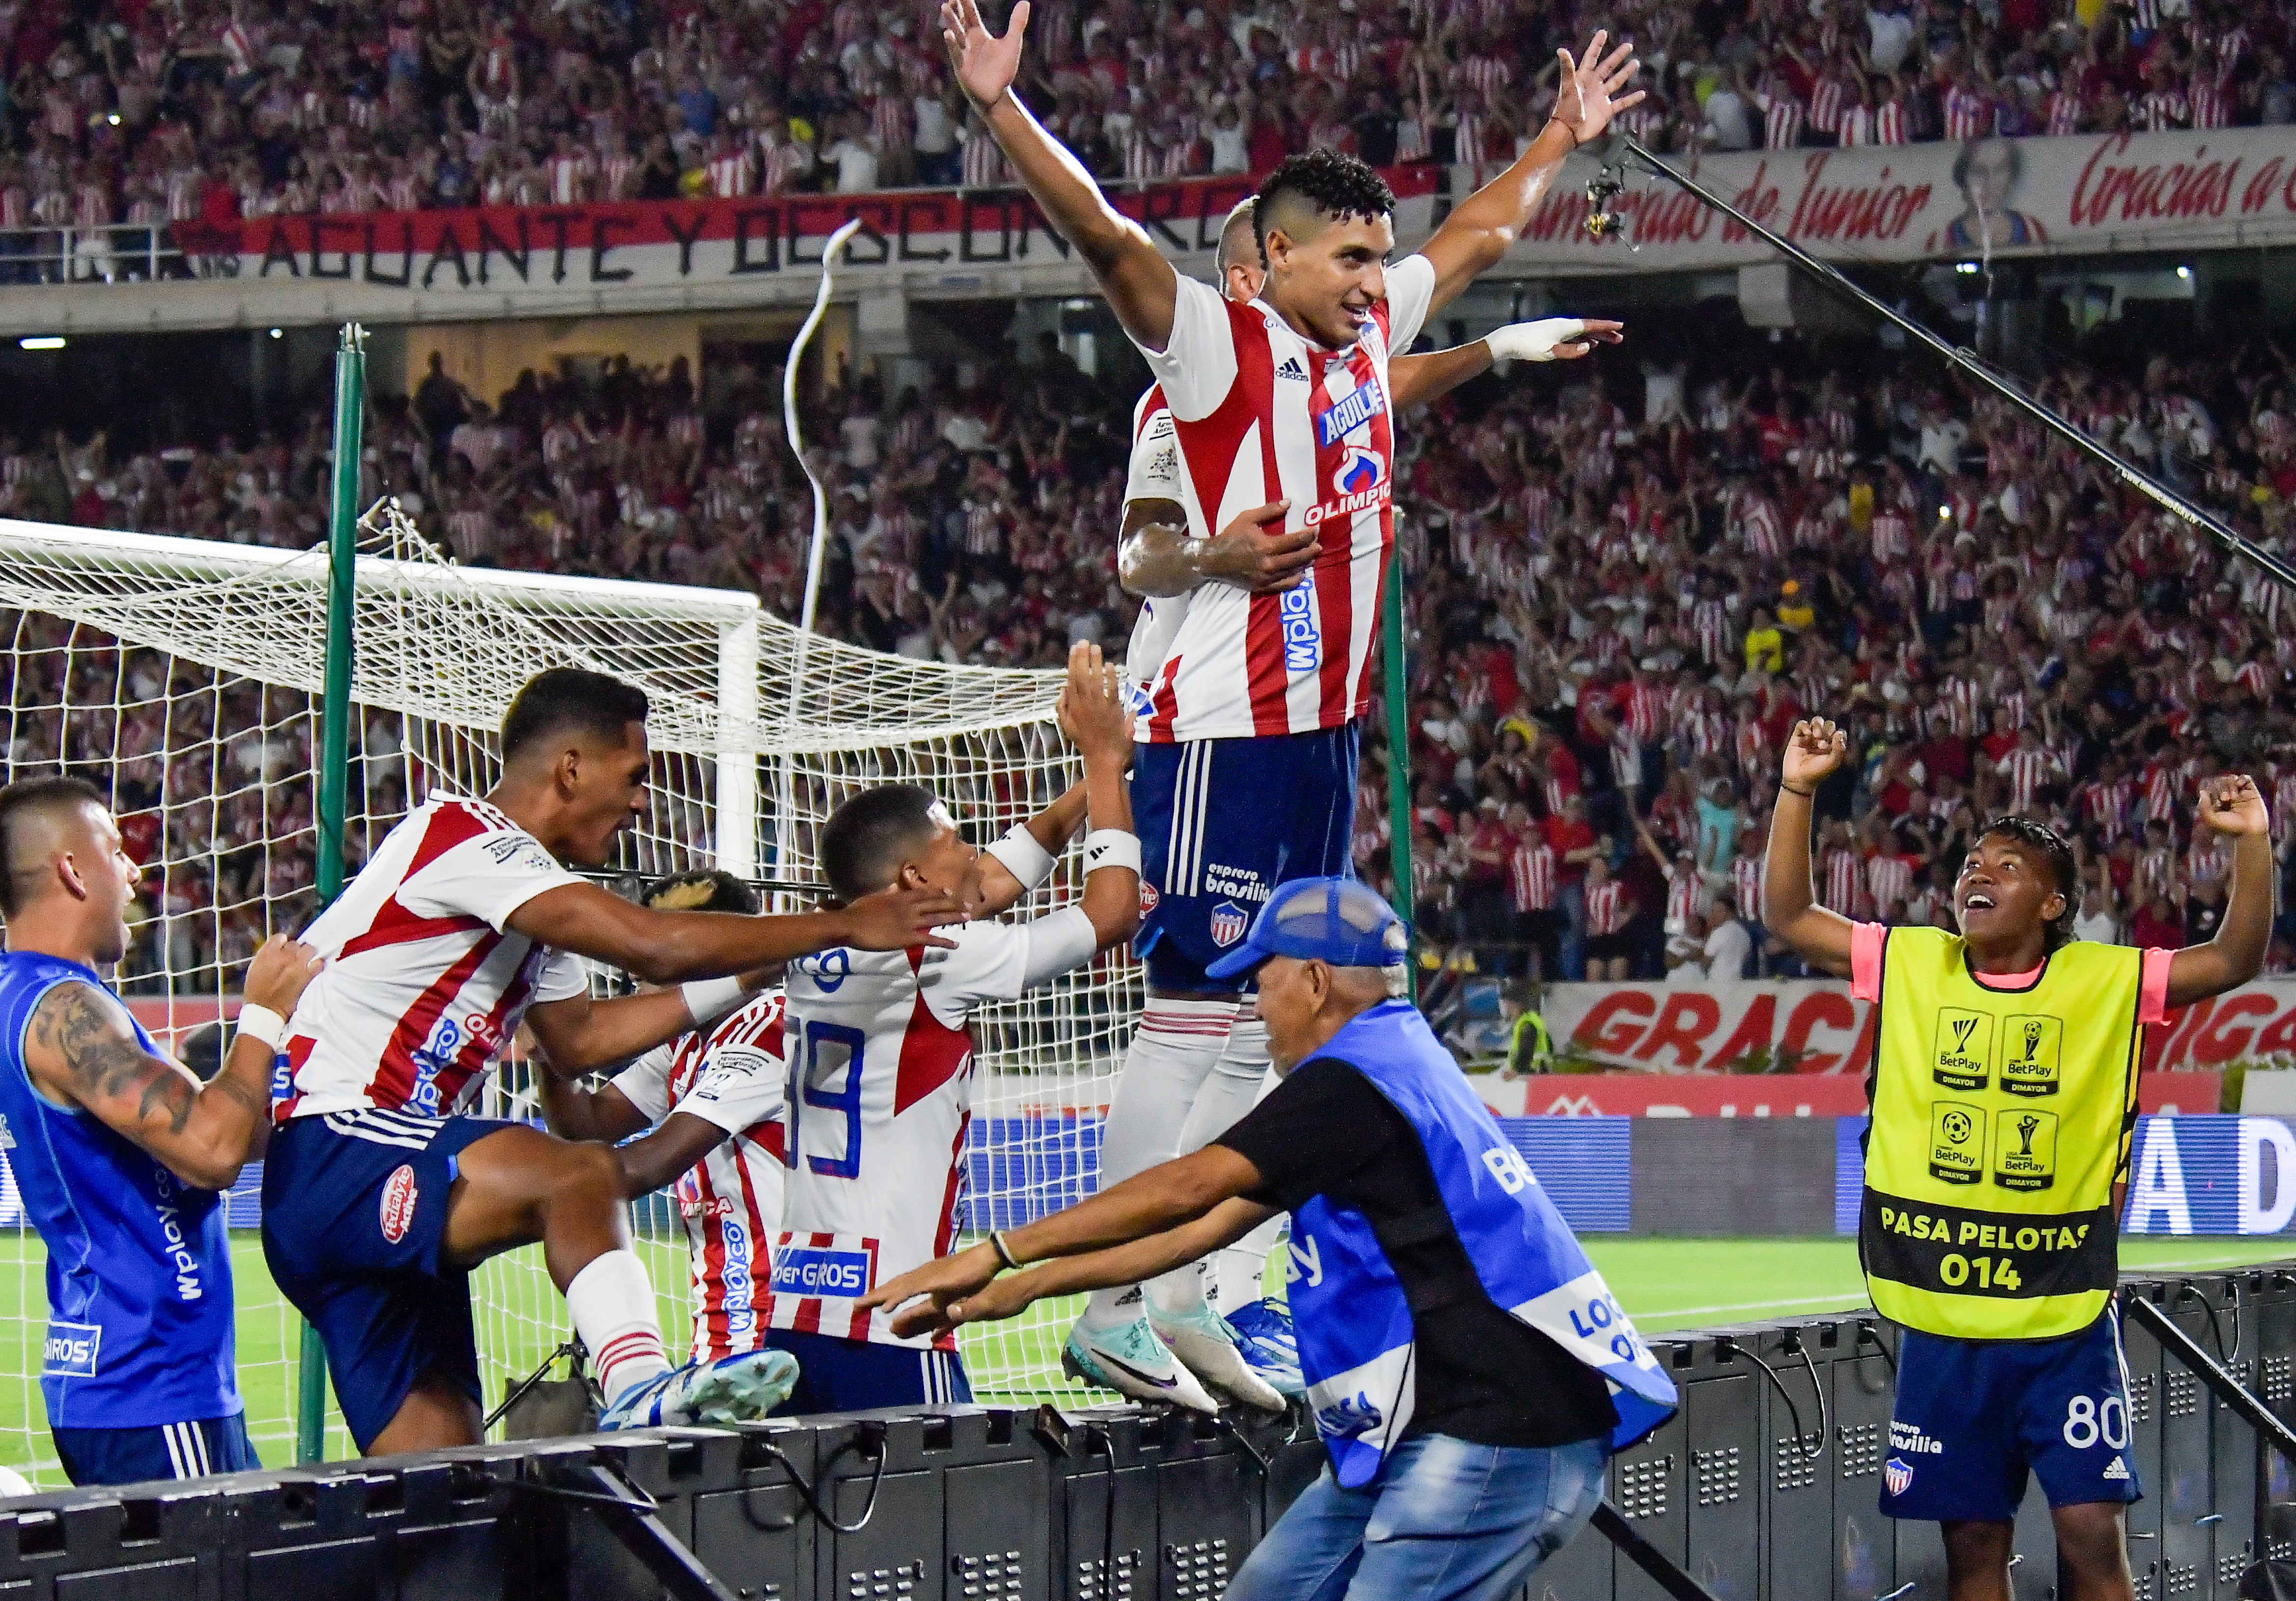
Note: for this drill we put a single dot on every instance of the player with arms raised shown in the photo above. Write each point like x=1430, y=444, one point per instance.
x=881, y=1051
x=378, y=1198
x=1200, y=1057
x=1247, y=774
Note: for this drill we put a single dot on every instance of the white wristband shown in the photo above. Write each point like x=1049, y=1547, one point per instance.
x=1023, y=857
x=708, y=999
x=1111, y=848
x=262, y=1024
x=1533, y=341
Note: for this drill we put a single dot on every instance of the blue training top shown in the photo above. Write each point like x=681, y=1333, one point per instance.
x=139, y=1263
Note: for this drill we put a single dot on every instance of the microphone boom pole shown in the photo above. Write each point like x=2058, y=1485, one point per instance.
x=1825, y=273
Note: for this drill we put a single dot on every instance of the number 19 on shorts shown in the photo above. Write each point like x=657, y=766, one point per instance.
x=2089, y=1420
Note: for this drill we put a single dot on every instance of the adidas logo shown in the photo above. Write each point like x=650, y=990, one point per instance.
x=1292, y=370
x=2117, y=1469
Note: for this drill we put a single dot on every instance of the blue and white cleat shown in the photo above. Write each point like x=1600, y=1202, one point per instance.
x=735, y=1388
x=1209, y=1348
x=1131, y=1360
x=1263, y=1334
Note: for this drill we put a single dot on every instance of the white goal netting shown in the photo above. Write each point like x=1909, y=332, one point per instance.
x=181, y=677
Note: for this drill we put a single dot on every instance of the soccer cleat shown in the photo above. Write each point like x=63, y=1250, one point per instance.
x=1263, y=1334
x=733, y=1388
x=1131, y=1360
x=1208, y=1348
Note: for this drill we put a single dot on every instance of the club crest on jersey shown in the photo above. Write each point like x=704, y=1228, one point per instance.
x=1348, y=413
x=1898, y=1475
x=1228, y=924
x=398, y=1207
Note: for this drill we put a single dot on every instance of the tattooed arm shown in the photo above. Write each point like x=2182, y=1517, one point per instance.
x=81, y=1051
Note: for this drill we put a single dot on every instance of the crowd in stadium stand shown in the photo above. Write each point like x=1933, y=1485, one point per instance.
x=1628, y=584
x=204, y=111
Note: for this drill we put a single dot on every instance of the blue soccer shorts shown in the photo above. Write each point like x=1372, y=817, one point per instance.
x=835, y=1375
x=1973, y=1417
x=1221, y=822
x=354, y=1214
x=159, y=1450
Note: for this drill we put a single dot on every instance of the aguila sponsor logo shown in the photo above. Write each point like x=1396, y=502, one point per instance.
x=398, y=1204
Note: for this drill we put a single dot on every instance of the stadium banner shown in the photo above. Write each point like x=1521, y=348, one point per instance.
x=1909, y=202
x=1816, y=1027
x=919, y=242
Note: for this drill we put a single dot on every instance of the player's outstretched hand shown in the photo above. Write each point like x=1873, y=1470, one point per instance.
x=2234, y=804
x=1813, y=751
x=949, y=1278
x=985, y=64
x=895, y=919
x=1552, y=339
x=280, y=972
x=1585, y=104
x=1246, y=555
x=1006, y=1297
x=1096, y=712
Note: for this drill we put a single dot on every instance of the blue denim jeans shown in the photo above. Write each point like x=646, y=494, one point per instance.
x=1446, y=1520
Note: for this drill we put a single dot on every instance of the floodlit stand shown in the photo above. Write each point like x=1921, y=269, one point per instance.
x=1602, y=223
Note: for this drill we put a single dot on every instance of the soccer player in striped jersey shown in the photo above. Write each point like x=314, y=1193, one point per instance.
x=880, y=1053
x=707, y=1110
x=379, y=1197
x=119, y=1154
x=1247, y=772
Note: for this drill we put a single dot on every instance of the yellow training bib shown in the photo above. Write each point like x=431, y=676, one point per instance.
x=2001, y=1123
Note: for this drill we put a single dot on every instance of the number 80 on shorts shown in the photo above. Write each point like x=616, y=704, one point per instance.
x=2089, y=1420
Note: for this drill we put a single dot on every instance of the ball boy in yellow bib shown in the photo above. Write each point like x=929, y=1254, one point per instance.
x=2004, y=1091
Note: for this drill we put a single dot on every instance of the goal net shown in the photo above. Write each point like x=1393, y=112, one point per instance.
x=181, y=677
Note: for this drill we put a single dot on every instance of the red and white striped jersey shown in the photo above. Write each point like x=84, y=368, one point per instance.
x=1262, y=413
x=425, y=981
x=1155, y=474
x=1530, y=874
x=1746, y=886
x=1686, y=899
x=731, y=1200
x=1606, y=906
x=880, y=1091
x=2026, y=771
x=1782, y=120
x=1888, y=879
x=1841, y=882
x=1968, y=115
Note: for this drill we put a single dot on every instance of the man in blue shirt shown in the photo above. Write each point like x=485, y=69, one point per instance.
x=1467, y=1368
x=119, y=1153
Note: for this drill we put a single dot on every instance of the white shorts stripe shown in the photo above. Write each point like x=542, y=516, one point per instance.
x=175, y=1452
x=200, y=1435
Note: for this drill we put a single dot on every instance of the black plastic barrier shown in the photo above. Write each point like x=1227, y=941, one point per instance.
x=1762, y=1488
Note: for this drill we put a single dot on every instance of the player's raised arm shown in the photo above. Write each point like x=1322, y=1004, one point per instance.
x=81, y=1051
x=1096, y=715
x=1417, y=380
x=1820, y=937
x=671, y=947
x=1023, y=858
x=1140, y=284
x=2232, y=806
x=1487, y=222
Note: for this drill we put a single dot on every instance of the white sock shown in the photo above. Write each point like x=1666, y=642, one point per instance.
x=612, y=1303
x=1240, y=1274
x=1173, y=1052
x=1228, y=1092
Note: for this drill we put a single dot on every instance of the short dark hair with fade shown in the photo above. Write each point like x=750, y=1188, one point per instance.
x=704, y=889
x=27, y=798
x=1336, y=186
x=864, y=841
x=570, y=697
x=1239, y=223
x=2051, y=847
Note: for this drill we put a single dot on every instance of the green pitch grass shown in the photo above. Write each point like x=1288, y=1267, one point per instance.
x=1664, y=1283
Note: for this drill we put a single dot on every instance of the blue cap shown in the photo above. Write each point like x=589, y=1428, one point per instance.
x=1339, y=921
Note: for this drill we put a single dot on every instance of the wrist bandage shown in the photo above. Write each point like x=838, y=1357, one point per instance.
x=1023, y=857
x=262, y=1024
x=1112, y=848
x=1533, y=341
x=708, y=999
